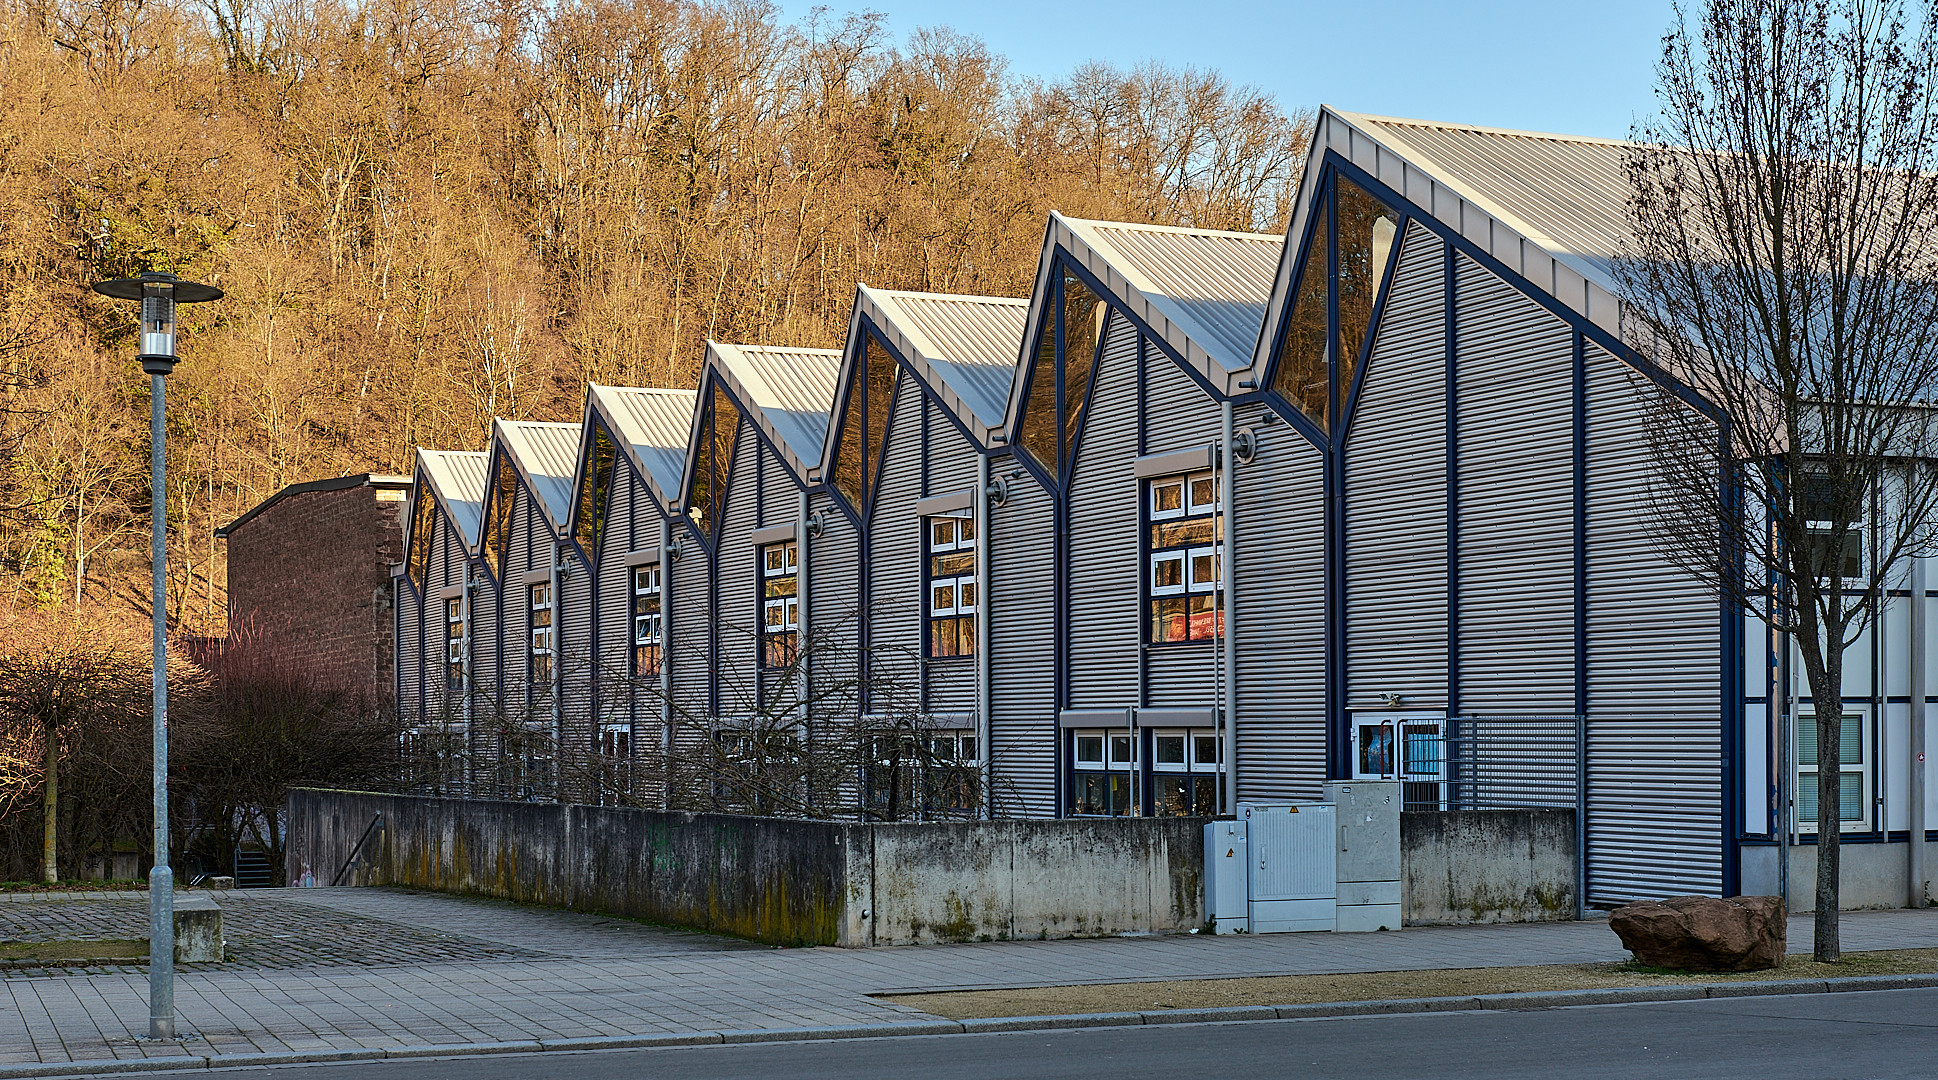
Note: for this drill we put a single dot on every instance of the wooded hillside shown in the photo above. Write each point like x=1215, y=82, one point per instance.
x=430, y=212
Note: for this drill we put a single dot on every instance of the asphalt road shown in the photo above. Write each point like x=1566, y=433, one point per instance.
x=1810, y=1037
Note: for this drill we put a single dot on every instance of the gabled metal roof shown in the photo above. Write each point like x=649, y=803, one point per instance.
x=788, y=392
x=964, y=346
x=548, y=457
x=1204, y=291
x=1552, y=208
x=655, y=426
x=457, y=481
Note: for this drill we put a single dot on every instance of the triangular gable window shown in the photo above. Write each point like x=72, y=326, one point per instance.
x=422, y=522
x=497, y=531
x=719, y=427
x=1367, y=228
x=1315, y=368
x=1053, y=412
x=864, y=423
x=595, y=490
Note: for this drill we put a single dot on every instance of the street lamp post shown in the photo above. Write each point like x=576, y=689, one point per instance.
x=159, y=293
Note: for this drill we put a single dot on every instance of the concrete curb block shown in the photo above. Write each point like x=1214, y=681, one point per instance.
x=1554, y=999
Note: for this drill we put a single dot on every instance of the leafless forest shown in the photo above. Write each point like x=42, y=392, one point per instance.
x=430, y=212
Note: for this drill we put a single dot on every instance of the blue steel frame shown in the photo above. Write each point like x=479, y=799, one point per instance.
x=1731, y=642
x=1062, y=263
x=589, y=560
x=855, y=362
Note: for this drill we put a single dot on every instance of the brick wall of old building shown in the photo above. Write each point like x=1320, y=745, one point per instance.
x=310, y=571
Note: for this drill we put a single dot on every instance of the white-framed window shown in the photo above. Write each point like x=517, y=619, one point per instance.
x=1855, y=754
x=1184, y=772
x=616, y=741
x=1101, y=759
x=454, y=647
x=649, y=627
x=951, y=578
x=780, y=604
x=544, y=646
x=1184, y=550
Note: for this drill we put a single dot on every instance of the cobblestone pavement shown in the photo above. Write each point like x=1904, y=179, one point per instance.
x=393, y=968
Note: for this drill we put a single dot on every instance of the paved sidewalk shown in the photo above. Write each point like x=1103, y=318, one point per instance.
x=402, y=969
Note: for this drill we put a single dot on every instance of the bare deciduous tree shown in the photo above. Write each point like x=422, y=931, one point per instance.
x=1784, y=211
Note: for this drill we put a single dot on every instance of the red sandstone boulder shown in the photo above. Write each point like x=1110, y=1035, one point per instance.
x=1702, y=933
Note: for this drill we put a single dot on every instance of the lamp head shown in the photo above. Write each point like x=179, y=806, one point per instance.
x=158, y=293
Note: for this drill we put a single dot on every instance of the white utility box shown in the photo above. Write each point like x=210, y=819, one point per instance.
x=1292, y=863
x=1227, y=896
x=1369, y=853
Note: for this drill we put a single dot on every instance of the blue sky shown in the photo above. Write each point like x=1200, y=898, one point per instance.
x=1579, y=69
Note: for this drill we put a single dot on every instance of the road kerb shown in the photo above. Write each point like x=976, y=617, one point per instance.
x=1555, y=999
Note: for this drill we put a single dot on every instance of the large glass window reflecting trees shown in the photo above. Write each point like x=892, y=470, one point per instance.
x=1303, y=376
x=497, y=532
x=719, y=427
x=1366, y=228
x=1352, y=241
x=1053, y=412
x=869, y=400
x=421, y=524
x=595, y=486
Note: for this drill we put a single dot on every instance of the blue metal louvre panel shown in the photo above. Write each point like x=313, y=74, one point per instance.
x=1022, y=694
x=1515, y=393
x=629, y=516
x=1654, y=673
x=409, y=653
x=1178, y=415
x=1279, y=624
x=689, y=631
x=737, y=607
x=1103, y=552
x=834, y=602
x=1396, y=495
x=896, y=608
x=779, y=495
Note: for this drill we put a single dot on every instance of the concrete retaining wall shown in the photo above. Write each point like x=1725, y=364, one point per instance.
x=780, y=881
x=1487, y=866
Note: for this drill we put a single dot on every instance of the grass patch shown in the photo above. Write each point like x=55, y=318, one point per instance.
x=105, y=950
x=1378, y=986
x=74, y=886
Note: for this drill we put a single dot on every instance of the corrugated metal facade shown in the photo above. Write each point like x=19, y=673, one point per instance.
x=1178, y=415
x=1020, y=608
x=1654, y=684
x=1514, y=393
x=737, y=609
x=1101, y=565
x=834, y=591
x=1279, y=622
x=1396, y=495
x=896, y=612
